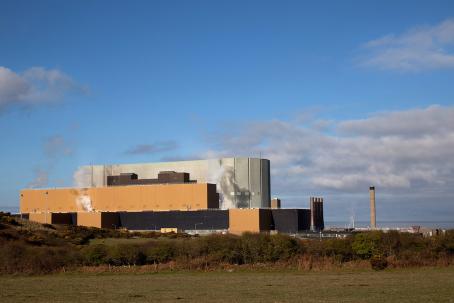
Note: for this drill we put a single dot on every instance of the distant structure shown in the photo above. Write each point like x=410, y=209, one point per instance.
x=317, y=221
x=275, y=203
x=176, y=198
x=373, y=222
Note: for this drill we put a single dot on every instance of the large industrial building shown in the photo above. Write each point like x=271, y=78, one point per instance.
x=169, y=196
x=240, y=182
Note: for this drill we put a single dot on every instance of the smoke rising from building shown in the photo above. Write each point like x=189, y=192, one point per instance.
x=84, y=201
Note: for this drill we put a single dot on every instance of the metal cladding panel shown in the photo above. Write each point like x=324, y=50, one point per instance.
x=291, y=220
x=74, y=218
x=304, y=219
x=213, y=196
x=98, y=176
x=266, y=219
x=317, y=220
x=186, y=220
x=266, y=183
x=64, y=218
x=242, y=183
x=254, y=182
x=110, y=220
x=285, y=220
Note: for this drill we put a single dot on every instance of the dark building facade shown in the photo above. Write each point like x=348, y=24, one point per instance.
x=164, y=177
x=291, y=220
x=185, y=220
x=317, y=219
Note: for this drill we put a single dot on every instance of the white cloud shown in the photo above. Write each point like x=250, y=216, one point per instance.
x=399, y=152
x=35, y=86
x=415, y=122
x=421, y=48
x=157, y=147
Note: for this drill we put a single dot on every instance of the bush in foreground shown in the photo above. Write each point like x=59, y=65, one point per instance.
x=42, y=250
x=378, y=262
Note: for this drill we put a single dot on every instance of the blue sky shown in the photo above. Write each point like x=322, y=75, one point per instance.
x=109, y=81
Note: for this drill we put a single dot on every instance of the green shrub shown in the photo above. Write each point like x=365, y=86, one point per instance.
x=443, y=243
x=126, y=254
x=340, y=249
x=378, y=262
x=7, y=219
x=282, y=247
x=16, y=257
x=221, y=248
x=265, y=248
x=366, y=244
x=160, y=251
x=254, y=247
x=95, y=254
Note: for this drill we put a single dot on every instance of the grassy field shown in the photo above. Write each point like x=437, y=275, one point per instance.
x=412, y=285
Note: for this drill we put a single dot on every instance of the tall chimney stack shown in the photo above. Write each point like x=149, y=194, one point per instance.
x=312, y=206
x=373, y=223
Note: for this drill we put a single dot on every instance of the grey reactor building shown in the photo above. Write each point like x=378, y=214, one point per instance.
x=240, y=182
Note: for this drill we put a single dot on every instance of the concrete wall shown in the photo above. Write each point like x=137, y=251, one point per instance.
x=40, y=217
x=189, y=196
x=90, y=219
x=249, y=220
x=242, y=220
x=241, y=182
x=53, y=218
x=98, y=219
x=49, y=200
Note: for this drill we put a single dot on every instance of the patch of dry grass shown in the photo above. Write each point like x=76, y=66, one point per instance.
x=397, y=285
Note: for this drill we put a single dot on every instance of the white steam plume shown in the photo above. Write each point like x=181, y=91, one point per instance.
x=82, y=177
x=84, y=201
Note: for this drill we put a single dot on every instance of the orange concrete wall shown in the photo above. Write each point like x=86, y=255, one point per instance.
x=40, y=217
x=249, y=220
x=244, y=220
x=121, y=198
x=91, y=219
x=56, y=200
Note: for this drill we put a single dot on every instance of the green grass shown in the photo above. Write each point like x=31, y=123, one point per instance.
x=411, y=285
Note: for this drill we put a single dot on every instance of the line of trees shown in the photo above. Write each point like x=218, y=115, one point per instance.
x=52, y=248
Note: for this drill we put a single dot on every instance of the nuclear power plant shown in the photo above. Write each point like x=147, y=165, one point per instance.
x=217, y=195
